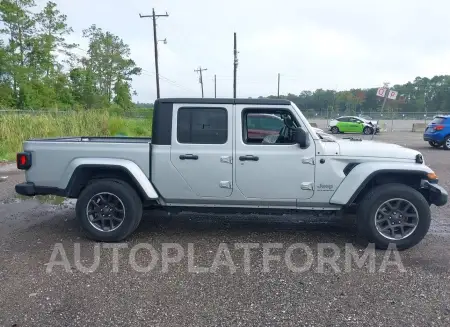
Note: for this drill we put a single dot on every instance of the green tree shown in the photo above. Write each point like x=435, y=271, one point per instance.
x=19, y=28
x=109, y=60
x=52, y=30
x=123, y=95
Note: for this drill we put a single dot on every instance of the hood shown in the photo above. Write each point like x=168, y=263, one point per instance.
x=377, y=149
x=373, y=121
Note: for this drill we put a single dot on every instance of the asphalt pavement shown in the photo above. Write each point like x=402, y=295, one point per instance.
x=205, y=278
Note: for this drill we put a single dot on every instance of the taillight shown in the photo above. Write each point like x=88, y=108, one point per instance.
x=23, y=160
x=439, y=127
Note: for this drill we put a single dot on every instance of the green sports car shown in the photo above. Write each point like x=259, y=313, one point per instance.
x=353, y=124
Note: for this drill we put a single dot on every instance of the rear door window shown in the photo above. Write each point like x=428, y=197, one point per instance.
x=438, y=120
x=202, y=125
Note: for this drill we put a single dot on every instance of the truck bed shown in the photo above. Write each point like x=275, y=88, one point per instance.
x=108, y=139
x=55, y=158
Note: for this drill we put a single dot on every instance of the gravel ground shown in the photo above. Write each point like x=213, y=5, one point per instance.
x=118, y=295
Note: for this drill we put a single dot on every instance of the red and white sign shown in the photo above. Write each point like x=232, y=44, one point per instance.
x=381, y=92
x=392, y=95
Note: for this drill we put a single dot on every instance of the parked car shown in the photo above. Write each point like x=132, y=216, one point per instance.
x=260, y=125
x=201, y=158
x=353, y=124
x=437, y=133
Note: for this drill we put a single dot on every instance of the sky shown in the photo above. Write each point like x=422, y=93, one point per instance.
x=312, y=44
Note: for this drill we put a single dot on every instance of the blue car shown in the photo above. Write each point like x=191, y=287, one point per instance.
x=437, y=132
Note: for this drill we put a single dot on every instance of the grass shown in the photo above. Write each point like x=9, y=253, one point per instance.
x=16, y=128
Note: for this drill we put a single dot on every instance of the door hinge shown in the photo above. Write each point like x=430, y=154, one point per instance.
x=307, y=186
x=225, y=184
x=308, y=160
x=226, y=159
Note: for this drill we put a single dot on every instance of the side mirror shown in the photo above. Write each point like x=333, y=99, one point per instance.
x=301, y=137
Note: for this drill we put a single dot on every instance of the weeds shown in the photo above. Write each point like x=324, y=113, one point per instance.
x=16, y=128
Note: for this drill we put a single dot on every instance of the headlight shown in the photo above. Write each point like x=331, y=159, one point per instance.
x=432, y=176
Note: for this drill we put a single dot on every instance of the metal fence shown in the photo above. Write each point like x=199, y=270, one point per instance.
x=145, y=113
x=425, y=116
x=388, y=121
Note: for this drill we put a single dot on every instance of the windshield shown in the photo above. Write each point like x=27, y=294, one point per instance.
x=303, y=118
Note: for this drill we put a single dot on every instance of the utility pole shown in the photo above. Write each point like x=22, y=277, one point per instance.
x=155, y=44
x=200, y=70
x=215, y=86
x=278, y=85
x=235, y=64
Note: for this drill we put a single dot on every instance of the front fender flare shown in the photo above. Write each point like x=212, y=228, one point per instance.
x=363, y=173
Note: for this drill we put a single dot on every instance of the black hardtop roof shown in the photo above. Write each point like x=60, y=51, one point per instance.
x=224, y=101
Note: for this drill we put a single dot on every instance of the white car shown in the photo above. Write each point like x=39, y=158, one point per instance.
x=353, y=124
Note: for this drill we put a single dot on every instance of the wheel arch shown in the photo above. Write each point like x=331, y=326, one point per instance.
x=366, y=179
x=411, y=179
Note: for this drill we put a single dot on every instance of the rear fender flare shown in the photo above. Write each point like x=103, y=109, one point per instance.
x=129, y=166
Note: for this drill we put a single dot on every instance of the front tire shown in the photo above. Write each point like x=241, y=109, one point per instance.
x=368, y=130
x=394, y=213
x=109, y=210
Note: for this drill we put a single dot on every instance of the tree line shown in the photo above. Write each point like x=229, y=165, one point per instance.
x=40, y=69
x=421, y=95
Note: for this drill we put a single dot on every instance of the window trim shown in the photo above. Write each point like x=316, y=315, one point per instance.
x=355, y=120
x=190, y=124
x=264, y=110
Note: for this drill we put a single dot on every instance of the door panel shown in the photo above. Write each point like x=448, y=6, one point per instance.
x=344, y=126
x=202, y=148
x=272, y=171
x=356, y=125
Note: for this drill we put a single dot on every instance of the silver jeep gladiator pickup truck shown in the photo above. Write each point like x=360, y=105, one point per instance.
x=202, y=157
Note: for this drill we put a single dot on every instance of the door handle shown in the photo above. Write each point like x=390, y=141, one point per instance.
x=188, y=157
x=248, y=158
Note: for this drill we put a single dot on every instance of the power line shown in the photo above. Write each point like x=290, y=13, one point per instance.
x=155, y=44
x=200, y=70
x=149, y=73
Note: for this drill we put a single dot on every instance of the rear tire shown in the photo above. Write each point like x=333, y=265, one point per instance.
x=434, y=144
x=106, y=198
x=373, y=206
x=447, y=142
x=335, y=130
